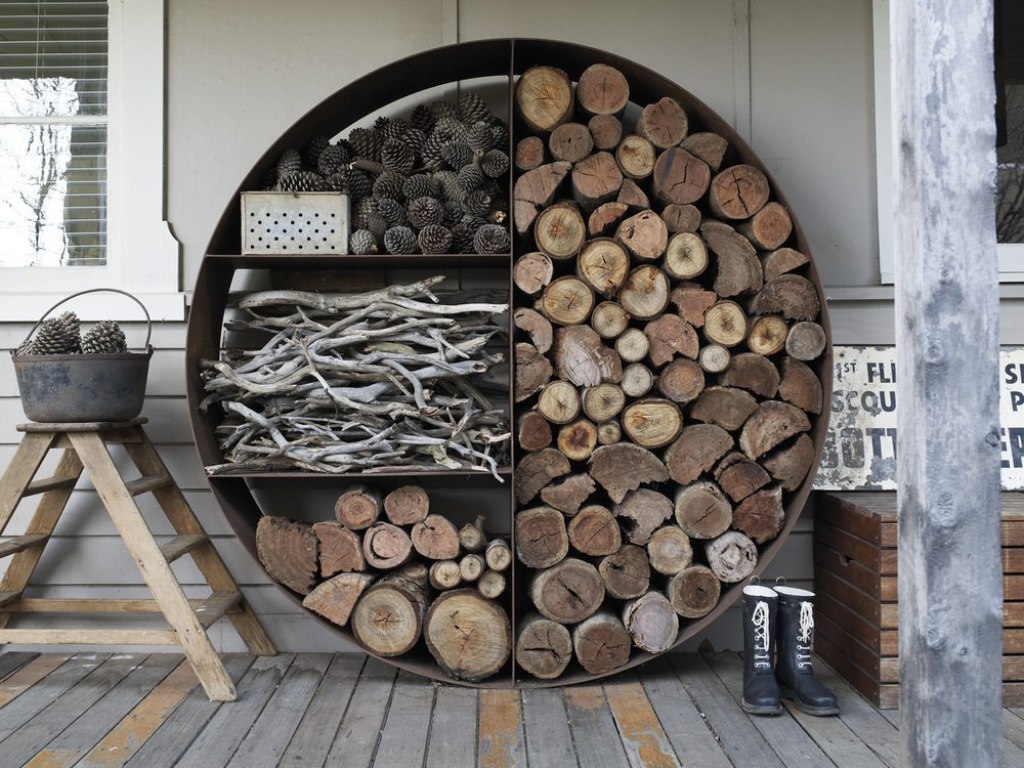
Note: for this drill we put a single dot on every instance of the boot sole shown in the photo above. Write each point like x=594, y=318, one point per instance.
x=809, y=708
x=760, y=709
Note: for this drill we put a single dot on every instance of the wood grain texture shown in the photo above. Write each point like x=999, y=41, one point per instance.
x=502, y=740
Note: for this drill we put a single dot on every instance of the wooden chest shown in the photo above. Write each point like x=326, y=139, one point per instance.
x=856, y=613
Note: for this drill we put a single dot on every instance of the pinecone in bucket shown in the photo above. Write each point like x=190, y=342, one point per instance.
x=105, y=338
x=56, y=336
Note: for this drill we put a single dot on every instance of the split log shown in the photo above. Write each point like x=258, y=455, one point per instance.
x=790, y=465
x=632, y=195
x=754, y=373
x=623, y=467
x=472, y=536
x=341, y=550
x=760, y=516
x=645, y=292
x=335, y=598
x=532, y=271
x=725, y=324
x=569, y=495
x=728, y=407
x=544, y=98
x=359, y=506
x=767, y=335
x=594, y=531
x=541, y=537
x=769, y=228
x=609, y=319
x=595, y=180
x=602, y=90
x=714, y=358
x=652, y=423
x=534, y=431
x=644, y=234
x=739, y=476
x=686, y=256
x=445, y=574
x=772, y=423
x=568, y=592
x=663, y=123
x=800, y=385
x=288, y=551
x=532, y=371
x=637, y=380
x=732, y=557
x=627, y=573
x=632, y=346
x=609, y=432
x=536, y=326
x=498, y=555
x=566, y=300
x=646, y=510
x=388, y=619
x=534, y=191
x=529, y=153
x=603, y=264
x=472, y=566
x=679, y=178
x=386, y=546
x=560, y=231
x=651, y=622
x=681, y=218
x=681, y=381
x=603, y=401
x=781, y=261
x=606, y=217
x=601, y=643
x=671, y=335
x=606, y=131
x=578, y=440
x=738, y=192
x=806, y=341
x=469, y=636
x=491, y=584
x=543, y=648
x=407, y=505
x=669, y=550
x=792, y=296
x=739, y=268
x=694, y=591
x=581, y=358
x=559, y=402
x=696, y=451
x=635, y=156
x=702, y=510
x=709, y=147
x=570, y=142
x=436, y=538
x=693, y=302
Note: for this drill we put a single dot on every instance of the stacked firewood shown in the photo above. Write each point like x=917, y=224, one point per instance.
x=397, y=574
x=664, y=369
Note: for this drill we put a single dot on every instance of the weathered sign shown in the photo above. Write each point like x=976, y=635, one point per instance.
x=860, y=447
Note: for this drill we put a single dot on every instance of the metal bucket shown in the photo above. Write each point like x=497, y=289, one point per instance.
x=84, y=387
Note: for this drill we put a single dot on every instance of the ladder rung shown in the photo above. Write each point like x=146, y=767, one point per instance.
x=17, y=543
x=181, y=545
x=8, y=596
x=49, y=484
x=147, y=483
x=215, y=606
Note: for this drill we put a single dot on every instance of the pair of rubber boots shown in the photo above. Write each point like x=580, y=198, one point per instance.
x=778, y=634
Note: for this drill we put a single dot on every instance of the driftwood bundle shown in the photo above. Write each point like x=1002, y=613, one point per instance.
x=360, y=381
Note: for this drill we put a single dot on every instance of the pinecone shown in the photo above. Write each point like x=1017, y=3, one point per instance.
x=27, y=347
x=462, y=239
x=501, y=137
x=456, y=153
x=58, y=335
x=365, y=143
x=450, y=189
x=377, y=225
x=491, y=238
x=443, y=109
x=451, y=128
x=430, y=152
x=480, y=137
x=422, y=118
x=392, y=211
x=389, y=185
x=362, y=242
x=420, y=185
x=105, y=338
x=472, y=107
x=333, y=159
x=357, y=183
x=289, y=162
x=415, y=138
x=302, y=181
x=472, y=223
x=477, y=203
x=311, y=152
x=361, y=209
x=435, y=238
x=400, y=240
x=396, y=155
x=452, y=213
x=470, y=178
x=494, y=163
x=424, y=211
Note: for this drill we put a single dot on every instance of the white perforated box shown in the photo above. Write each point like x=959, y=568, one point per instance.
x=295, y=222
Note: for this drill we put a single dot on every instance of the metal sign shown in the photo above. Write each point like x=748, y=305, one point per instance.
x=860, y=446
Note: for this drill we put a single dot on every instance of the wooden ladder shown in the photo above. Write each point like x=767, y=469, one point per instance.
x=85, y=446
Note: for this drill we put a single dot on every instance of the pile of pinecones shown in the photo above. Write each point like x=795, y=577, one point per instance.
x=62, y=335
x=435, y=183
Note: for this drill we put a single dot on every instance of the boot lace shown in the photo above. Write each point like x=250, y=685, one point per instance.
x=804, y=636
x=761, y=634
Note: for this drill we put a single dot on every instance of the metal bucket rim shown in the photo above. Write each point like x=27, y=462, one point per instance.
x=83, y=356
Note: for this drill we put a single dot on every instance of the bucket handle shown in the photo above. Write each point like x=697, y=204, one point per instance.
x=149, y=321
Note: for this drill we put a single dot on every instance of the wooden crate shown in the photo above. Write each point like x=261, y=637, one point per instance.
x=855, y=574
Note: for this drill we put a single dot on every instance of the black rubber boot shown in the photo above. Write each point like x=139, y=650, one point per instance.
x=795, y=641
x=760, y=690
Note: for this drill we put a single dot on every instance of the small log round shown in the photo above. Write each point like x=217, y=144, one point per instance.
x=559, y=402
x=760, y=516
x=340, y=549
x=669, y=550
x=767, y=335
x=568, y=495
x=534, y=324
x=468, y=635
x=540, y=536
x=567, y=300
x=755, y=373
x=635, y=156
x=602, y=90
x=725, y=323
x=601, y=643
x=536, y=470
x=702, y=511
x=609, y=432
x=627, y=573
x=578, y=439
x=686, y=256
x=739, y=476
x=623, y=467
x=772, y=423
x=681, y=218
x=594, y=531
x=407, y=505
x=595, y=180
x=681, y=381
x=609, y=319
x=696, y=450
x=714, y=358
x=491, y=584
x=388, y=619
x=806, y=341
x=534, y=431
x=359, y=506
x=498, y=555
x=644, y=234
x=671, y=335
x=632, y=195
x=543, y=648
x=532, y=371
x=386, y=546
x=571, y=142
x=738, y=192
x=603, y=264
x=436, y=538
x=472, y=537
x=647, y=510
x=445, y=574
x=732, y=556
x=560, y=231
x=544, y=98
x=336, y=598
x=790, y=465
x=637, y=380
x=800, y=385
x=653, y=422
x=603, y=402
x=693, y=301
x=472, y=566
x=652, y=622
x=645, y=293
x=632, y=345
x=606, y=130
x=709, y=147
x=529, y=153
x=604, y=220
x=568, y=592
x=792, y=296
x=664, y=123
x=769, y=228
x=728, y=407
x=694, y=591
x=782, y=260
x=532, y=271
x=679, y=177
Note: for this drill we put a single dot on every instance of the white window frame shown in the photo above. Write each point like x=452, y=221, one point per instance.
x=142, y=255
x=1011, y=255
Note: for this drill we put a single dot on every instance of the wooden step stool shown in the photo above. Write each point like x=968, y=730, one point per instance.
x=85, y=447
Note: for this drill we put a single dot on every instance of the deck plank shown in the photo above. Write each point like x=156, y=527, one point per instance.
x=312, y=739
x=546, y=725
x=453, y=728
x=501, y=741
x=869, y=725
x=24, y=678
x=11, y=661
x=835, y=739
x=644, y=739
x=685, y=727
x=403, y=739
x=593, y=727
x=357, y=737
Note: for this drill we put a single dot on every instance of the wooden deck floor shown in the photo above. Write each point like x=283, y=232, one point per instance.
x=344, y=710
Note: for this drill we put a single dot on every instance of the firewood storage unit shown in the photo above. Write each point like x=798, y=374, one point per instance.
x=242, y=496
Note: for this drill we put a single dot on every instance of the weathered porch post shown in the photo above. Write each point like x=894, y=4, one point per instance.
x=950, y=583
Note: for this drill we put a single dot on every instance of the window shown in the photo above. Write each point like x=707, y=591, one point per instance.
x=81, y=157
x=1010, y=140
